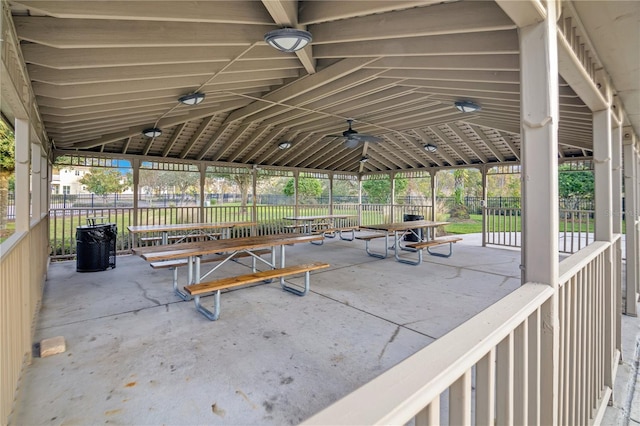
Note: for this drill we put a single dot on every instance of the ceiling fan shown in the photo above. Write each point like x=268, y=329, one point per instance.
x=352, y=138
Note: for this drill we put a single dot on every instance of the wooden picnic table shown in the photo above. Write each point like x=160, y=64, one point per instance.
x=187, y=228
x=326, y=224
x=229, y=248
x=399, y=230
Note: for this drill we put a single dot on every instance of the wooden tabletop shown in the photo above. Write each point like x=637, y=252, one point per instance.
x=319, y=217
x=216, y=246
x=186, y=226
x=403, y=226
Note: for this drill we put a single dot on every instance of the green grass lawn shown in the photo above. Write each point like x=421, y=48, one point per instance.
x=471, y=226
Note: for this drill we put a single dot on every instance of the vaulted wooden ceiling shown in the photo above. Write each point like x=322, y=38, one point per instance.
x=102, y=71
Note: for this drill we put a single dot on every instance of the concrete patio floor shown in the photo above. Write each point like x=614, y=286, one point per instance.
x=137, y=354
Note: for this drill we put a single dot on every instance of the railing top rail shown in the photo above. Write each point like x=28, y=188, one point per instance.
x=402, y=391
x=572, y=264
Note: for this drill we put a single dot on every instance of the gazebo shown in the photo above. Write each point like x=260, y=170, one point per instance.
x=357, y=90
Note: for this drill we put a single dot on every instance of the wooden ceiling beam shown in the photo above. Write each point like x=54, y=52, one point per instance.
x=144, y=72
x=137, y=86
x=477, y=130
x=302, y=85
x=55, y=58
x=172, y=141
x=452, y=18
x=440, y=152
x=233, y=11
x=89, y=33
x=493, y=42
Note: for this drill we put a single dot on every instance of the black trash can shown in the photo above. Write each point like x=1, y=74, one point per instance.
x=416, y=235
x=96, y=247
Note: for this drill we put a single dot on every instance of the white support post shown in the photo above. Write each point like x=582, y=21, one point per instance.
x=392, y=215
x=135, y=164
x=22, y=160
x=631, y=219
x=434, y=206
x=484, y=171
x=616, y=191
x=539, y=117
x=604, y=211
x=36, y=187
x=359, y=200
x=254, y=197
x=45, y=173
x=616, y=176
x=603, y=177
x=296, y=208
x=330, y=193
x=202, y=168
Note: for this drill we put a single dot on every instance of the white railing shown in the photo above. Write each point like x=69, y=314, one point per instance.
x=503, y=228
x=22, y=273
x=537, y=356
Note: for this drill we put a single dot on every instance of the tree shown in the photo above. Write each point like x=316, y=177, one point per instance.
x=7, y=167
x=575, y=184
x=459, y=209
x=308, y=189
x=379, y=190
x=102, y=181
x=244, y=182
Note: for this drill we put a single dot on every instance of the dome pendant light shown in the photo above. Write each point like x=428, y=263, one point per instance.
x=288, y=39
x=192, y=99
x=152, y=132
x=467, y=106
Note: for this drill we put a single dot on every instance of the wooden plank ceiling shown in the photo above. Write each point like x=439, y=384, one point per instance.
x=103, y=71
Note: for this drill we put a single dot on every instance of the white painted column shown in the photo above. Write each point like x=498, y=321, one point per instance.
x=616, y=177
x=434, y=206
x=603, y=176
x=539, y=116
x=296, y=176
x=392, y=215
x=604, y=211
x=22, y=174
x=616, y=191
x=483, y=171
x=330, y=193
x=36, y=186
x=45, y=182
x=202, y=168
x=359, y=200
x=135, y=165
x=631, y=219
x=254, y=204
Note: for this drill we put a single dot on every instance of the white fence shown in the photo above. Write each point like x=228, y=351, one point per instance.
x=538, y=356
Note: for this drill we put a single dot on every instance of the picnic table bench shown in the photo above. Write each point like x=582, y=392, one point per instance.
x=204, y=288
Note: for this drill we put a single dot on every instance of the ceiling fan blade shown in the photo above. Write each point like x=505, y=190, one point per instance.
x=351, y=143
x=367, y=138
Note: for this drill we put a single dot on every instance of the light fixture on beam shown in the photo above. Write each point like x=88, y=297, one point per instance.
x=152, y=132
x=284, y=145
x=364, y=159
x=192, y=98
x=467, y=106
x=429, y=147
x=288, y=39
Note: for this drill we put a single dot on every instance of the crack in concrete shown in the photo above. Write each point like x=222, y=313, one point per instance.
x=393, y=337
x=144, y=293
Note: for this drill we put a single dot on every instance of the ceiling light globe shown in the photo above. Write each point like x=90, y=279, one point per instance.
x=192, y=98
x=284, y=145
x=288, y=39
x=467, y=106
x=430, y=147
x=152, y=132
